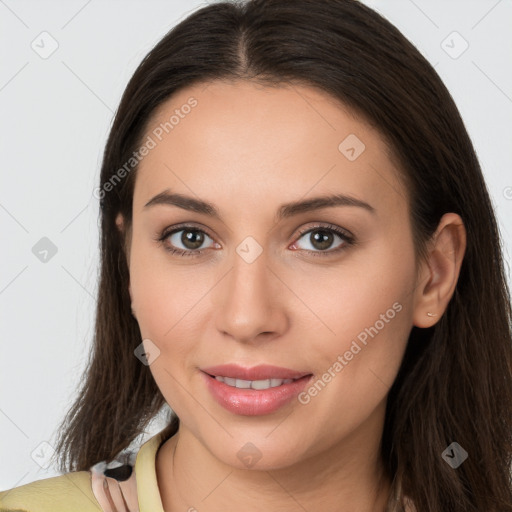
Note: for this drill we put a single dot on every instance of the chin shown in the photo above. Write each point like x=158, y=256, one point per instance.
x=255, y=452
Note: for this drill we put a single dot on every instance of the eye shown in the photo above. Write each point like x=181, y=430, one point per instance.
x=184, y=240
x=321, y=238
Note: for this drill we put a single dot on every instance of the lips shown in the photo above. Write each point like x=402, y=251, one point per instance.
x=256, y=373
x=253, y=391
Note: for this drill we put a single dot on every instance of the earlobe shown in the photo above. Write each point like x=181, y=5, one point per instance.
x=120, y=222
x=441, y=272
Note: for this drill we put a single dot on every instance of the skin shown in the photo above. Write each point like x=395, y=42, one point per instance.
x=247, y=149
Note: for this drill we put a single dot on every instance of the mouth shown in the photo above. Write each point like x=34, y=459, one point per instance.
x=252, y=384
x=262, y=372
x=254, y=391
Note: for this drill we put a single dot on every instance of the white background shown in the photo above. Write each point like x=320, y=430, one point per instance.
x=55, y=114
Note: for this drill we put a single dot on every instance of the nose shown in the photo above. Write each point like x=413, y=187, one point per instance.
x=251, y=301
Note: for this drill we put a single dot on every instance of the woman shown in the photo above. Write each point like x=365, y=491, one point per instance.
x=299, y=257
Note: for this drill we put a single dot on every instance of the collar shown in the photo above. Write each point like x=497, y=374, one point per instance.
x=148, y=491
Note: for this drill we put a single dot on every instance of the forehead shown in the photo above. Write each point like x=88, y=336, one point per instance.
x=259, y=143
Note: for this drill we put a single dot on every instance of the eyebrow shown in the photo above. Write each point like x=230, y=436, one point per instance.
x=285, y=210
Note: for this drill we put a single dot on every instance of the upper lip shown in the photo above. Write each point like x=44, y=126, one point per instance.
x=260, y=372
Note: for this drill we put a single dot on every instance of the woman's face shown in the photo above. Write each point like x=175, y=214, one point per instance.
x=267, y=279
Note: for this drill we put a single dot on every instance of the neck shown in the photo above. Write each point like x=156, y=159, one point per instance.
x=349, y=476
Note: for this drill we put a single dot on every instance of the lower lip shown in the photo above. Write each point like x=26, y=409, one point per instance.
x=254, y=402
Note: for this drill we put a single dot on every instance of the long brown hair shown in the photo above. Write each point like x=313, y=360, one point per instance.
x=455, y=381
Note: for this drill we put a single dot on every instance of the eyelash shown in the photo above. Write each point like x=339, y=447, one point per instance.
x=347, y=239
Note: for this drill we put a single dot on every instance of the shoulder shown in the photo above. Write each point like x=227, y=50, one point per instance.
x=105, y=487
x=71, y=491
x=109, y=487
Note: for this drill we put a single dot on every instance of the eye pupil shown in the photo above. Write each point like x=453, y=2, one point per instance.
x=323, y=238
x=196, y=238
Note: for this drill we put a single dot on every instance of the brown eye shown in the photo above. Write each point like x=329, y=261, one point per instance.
x=184, y=241
x=192, y=239
x=321, y=240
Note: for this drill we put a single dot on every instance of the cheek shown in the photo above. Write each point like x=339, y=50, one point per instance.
x=356, y=367
x=367, y=314
x=361, y=292
x=162, y=292
x=164, y=296
x=169, y=299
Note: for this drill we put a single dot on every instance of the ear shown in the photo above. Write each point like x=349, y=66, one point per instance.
x=121, y=226
x=120, y=222
x=439, y=274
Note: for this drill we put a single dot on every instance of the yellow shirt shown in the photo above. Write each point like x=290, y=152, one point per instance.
x=85, y=491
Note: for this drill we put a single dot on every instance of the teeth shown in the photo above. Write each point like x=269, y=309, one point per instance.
x=254, y=384
x=242, y=384
x=229, y=381
x=260, y=384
